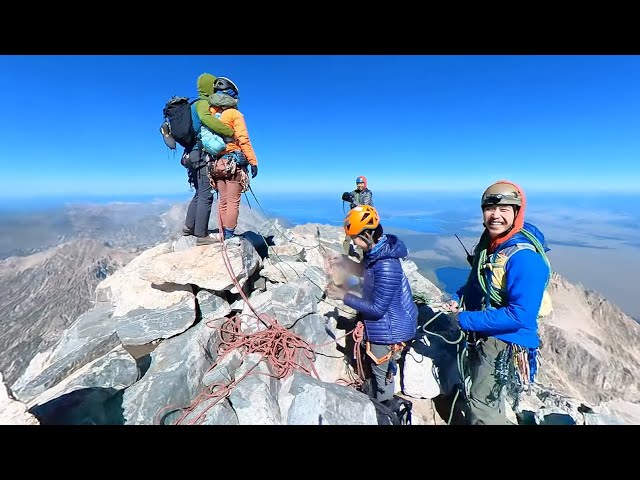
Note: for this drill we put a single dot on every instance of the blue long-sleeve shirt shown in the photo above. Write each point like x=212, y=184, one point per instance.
x=517, y=321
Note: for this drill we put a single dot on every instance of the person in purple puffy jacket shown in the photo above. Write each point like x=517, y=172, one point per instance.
x=386, y=307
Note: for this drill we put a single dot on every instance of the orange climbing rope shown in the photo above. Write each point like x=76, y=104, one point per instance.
x=283, y=351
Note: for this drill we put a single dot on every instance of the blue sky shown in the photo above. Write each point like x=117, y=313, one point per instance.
x=88, y=125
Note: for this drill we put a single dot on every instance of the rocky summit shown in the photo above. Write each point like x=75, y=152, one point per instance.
x=241, y=333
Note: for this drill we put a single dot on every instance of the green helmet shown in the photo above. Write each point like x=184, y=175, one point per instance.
x=501, y=193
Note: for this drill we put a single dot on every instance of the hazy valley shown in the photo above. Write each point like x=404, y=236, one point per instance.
x=589, y=342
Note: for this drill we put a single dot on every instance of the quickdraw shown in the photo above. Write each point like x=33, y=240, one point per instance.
x=486, y=262
x=516, y=368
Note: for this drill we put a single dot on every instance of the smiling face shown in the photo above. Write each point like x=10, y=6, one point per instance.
x=498, y=219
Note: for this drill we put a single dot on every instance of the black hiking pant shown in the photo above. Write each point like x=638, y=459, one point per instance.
x=199, y=210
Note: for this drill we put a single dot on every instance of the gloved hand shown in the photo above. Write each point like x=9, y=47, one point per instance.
x=347, y=197
x=254, y=171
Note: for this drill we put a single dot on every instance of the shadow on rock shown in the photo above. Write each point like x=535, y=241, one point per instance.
x=87, y=406
x=260, y=243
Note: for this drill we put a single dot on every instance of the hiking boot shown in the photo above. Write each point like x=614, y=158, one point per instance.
x=207, y=240
x=186, y=231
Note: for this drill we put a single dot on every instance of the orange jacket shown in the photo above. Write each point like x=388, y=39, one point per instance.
x=235, y=120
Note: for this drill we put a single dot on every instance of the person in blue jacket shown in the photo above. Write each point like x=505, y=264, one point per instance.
x=500, y=304
x=386, y=306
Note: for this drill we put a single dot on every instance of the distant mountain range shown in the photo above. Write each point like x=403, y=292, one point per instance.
x=52, y=261
x=590, y=348
x=119, y=225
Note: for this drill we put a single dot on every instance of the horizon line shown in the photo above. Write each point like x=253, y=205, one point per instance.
x=187, y=195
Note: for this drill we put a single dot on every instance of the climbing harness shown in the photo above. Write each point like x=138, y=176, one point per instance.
x=395, y=352
x=226, y=166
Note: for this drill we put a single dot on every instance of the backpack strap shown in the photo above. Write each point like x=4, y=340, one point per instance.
x=196, y=123
x=484, y=267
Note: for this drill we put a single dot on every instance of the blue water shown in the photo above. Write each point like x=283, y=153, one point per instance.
x=451, y=278
x=425, y=213
x=429, y=215
x=595, y=221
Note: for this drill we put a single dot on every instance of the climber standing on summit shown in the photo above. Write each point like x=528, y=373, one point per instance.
x=228, y=171
x=199, y=211
x=499, y=306
x=360, y=196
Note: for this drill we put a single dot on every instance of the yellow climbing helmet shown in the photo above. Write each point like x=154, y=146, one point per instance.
x=363, y=217
x=501, y=193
